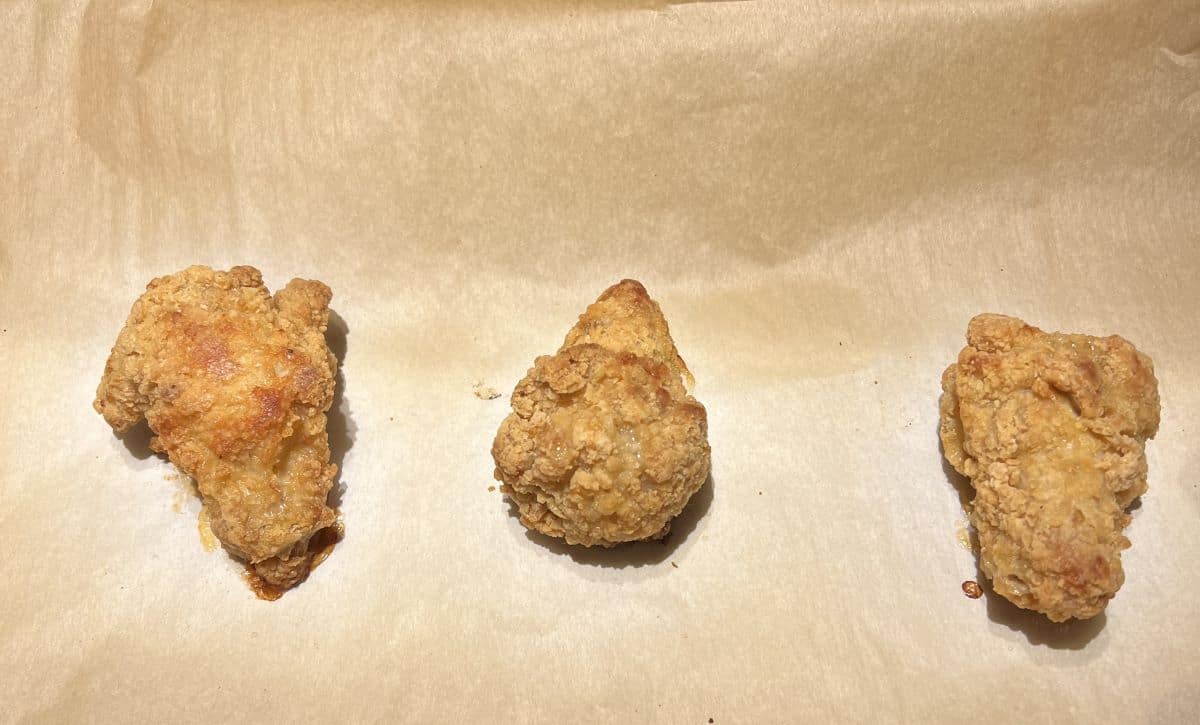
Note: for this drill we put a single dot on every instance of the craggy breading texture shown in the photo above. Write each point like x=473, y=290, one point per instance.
x=1051, y=430
x=604, y=444
x=235, y=385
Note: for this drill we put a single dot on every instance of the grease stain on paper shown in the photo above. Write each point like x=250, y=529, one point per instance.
x=204, y=525
x=185, y=491
x=964, y=535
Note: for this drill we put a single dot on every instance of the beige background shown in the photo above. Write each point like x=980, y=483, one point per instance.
x=820, y=195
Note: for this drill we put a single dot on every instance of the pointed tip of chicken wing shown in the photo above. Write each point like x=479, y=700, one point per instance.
x=625, y=319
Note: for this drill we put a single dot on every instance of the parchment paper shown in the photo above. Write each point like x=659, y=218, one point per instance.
x=820, y=195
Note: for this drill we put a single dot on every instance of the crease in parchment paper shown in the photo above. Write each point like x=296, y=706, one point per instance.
x=1184, y=59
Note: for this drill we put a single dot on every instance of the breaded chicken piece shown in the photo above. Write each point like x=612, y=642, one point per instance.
x=235, y=385
x=604, y=444
x=1051, y=430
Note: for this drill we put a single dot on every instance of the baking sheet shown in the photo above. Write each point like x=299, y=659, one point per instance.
x=819, y=195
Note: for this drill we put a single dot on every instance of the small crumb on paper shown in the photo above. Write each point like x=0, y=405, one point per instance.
x=484, y=392
x=674, y=565
x=491, y=488
x=972, y=589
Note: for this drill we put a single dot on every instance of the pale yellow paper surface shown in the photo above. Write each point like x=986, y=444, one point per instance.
x=820, y=196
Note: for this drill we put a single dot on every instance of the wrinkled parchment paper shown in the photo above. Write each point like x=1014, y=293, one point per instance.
x=820, y=195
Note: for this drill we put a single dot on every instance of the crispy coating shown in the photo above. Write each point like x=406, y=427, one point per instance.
x=235, y=385
x=604, y=444
x=1051, y=430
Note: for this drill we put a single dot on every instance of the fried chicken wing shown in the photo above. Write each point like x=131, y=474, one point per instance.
x=604, y=444
x=1051, y=430
x=235, y=385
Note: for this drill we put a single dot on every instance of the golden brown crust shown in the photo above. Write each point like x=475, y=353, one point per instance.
x=235, y=386
x=1050, y=428
x=604, y=444
x=625, y=318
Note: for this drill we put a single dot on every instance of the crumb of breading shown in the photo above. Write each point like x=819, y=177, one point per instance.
x=485, y=392
x=1051, y=430
x=235, y=384
x=604, y=444
x=972, y=589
